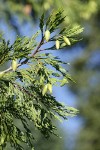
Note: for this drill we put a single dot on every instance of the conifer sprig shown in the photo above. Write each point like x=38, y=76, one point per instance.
x=26, y=87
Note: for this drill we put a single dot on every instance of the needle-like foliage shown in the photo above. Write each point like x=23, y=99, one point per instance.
x=26, y=86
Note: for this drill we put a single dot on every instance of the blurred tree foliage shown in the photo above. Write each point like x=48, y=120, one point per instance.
x=86, y=70
x=78, y=11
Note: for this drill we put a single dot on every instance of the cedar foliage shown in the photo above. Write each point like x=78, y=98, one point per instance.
x=23, y=96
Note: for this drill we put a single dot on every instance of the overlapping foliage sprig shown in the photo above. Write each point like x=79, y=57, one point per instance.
x=26, y=86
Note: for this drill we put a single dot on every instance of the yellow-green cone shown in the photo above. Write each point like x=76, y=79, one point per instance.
x=14, y=64
x=2, y=139
x=1, y=74
x=45, y=89
x=50, y=88
x=63, y=44
x=47, y=35
x=57, y=44
x=66, y=40
x=64, y=81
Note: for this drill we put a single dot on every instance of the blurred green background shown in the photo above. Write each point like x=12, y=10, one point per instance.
x=20, y=17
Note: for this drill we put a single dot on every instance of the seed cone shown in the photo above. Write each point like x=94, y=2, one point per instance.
x=66, y=40
x=50, y=88
x=45, y=89
x=1, y=74
x=57, y=44
x=14, y=64
x=47, y=35
x=64, y=81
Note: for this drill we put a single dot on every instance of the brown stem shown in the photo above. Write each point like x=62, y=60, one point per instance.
x=37, y=49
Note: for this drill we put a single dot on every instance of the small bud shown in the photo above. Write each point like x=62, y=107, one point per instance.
x=2, y=140
x=63, y=44
x=14, y=64
x=50, y=88
x=45, y=89
x=64, y=81
x=62, y=70
x=57, y=44
x=47, y=35
x=1, y=74
x=66, y=40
